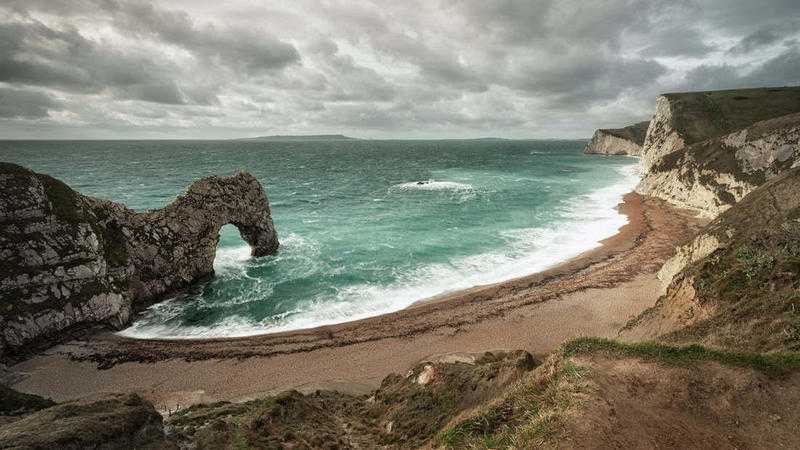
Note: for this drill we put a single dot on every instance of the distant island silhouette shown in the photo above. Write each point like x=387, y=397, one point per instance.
x=301, y=137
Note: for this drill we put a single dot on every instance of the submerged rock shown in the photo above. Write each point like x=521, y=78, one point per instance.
x=69, y=261
x=618, y=141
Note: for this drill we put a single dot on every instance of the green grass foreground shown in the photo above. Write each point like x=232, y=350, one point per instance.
x=772, y=364
x=530, y=414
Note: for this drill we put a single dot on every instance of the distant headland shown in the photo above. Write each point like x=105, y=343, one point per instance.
x=300, y=137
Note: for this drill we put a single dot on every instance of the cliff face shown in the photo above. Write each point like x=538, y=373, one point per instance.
x=712, y=175
x=70, y=261
x=735, y=285
x=706, y=150
x=618, y=141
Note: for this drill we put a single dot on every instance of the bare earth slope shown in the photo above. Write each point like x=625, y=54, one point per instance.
x=596, y=393
x=590, y=393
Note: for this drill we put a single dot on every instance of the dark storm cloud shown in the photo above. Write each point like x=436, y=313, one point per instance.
x=679, y=41
x=781, y=70
x=420, y=67
x=242, y=48
x=238, y=47
x=344, y=80
x=17, y=103
x=762, y=38
x=32, y=53
x=581, y=79
x=434, y=59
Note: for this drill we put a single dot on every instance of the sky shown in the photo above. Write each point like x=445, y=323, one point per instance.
x=200, y=69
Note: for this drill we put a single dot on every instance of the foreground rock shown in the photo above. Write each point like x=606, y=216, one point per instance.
x=13, y=403
x=706, y=150
x=618, y=141
x=736, y=284
x=69, y=261
x=119, y=422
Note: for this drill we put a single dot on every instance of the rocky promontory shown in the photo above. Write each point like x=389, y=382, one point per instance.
x=618, y=141
x=70, y=261
x=706, y=150
x=735, y=284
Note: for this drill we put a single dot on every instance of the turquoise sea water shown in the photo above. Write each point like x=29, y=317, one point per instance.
x=366, y=227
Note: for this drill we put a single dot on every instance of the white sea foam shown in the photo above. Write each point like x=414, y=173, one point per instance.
x=231, y=261
x=587, y=220
x=229, y=327
x=461, y=192
x=432, y=185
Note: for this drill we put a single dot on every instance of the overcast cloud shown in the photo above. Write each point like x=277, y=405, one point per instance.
x=426, y=68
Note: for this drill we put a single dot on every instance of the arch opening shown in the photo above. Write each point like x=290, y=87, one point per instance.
x=232, y=252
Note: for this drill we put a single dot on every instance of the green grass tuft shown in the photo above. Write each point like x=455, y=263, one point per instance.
x=772, y=364
x=529, y=416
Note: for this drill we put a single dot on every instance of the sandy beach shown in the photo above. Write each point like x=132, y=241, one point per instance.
x=593, y=294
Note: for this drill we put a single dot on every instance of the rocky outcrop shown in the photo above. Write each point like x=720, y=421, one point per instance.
x=710, y=176
x=706, y=150
x=13, y=403
x=618, y=141
x=118, y=422
x=67, y=260
x=683, y=119
x=735, y=284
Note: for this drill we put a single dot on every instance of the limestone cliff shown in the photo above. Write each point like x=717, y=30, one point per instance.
x=735, y=285
x=68, y=261
x=618, y=141
x=714, y=174
x=706, y=150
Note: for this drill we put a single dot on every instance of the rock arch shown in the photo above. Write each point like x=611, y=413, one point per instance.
x=175, y=245
x=68, y=260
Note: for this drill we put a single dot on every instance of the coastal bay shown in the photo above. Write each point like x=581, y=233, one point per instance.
x=594, y=294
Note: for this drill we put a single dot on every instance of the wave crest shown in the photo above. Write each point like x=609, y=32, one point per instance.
x=432, y=185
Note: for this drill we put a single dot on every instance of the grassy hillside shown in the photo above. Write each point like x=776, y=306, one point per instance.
x=702, y=115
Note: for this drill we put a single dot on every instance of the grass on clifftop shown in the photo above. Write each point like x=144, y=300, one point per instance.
x=772, y=364
x=533, y=413
x=529, y=415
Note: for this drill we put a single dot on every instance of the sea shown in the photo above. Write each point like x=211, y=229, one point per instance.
x=366, y=227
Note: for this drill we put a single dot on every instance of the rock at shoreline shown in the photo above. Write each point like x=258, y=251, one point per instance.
x=706, y=150
x=618, y=141
x=68, y=261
